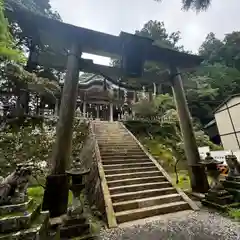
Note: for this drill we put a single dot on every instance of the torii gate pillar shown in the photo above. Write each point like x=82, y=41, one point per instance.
x=57, y=183
x=197, y=174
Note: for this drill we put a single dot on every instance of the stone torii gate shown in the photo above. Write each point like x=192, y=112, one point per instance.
x=64, y=46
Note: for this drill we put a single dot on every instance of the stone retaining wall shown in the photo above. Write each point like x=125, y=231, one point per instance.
x=89, y=160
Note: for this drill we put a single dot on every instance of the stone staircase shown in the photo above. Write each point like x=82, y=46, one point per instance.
x=137, y=185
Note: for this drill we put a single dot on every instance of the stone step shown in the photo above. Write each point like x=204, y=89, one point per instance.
x=132, y=175
x=140, y=213
x=122, y=155
x=125, y=182
x=118, y=145
x=72, y=231
x=139, y=187
x=120, y=138
x=146, y=202
x=130, y=170
x=128, y=165
x=112, y=160
x=231, y=184
x=121, y=142
x=121, y=149
x=142, y=194
x=111, y=137
x=235, y=193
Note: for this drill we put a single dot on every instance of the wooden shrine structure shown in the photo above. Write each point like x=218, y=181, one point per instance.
x=61, y=47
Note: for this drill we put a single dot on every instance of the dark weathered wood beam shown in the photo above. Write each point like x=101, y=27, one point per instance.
x=59, y=35
x=59, y=62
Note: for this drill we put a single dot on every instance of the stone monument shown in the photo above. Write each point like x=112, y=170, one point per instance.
x=20, y=216
x=217, y=196
x=232, y=181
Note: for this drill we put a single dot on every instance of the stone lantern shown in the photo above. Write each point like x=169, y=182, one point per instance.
x=232, y=181
x=213, y=172
x=74, y=223
x=216, y=196
x=77, y=173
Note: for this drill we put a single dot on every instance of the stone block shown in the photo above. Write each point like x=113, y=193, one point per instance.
x=20, y=221
x=219, y=206
x=231, y=184
x=72, y=231
x=232, y=178
x=21, y=207
x=220, y=199
x=37, y=231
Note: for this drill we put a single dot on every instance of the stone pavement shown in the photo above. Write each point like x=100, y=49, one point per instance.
x=188, y=225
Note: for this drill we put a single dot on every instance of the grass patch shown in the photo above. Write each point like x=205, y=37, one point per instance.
x=183, y=178
x=70, y=198
x=36, y=193
x=234, y=213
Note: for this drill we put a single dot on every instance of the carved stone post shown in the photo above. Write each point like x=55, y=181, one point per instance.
x=57, y=184
x=197, y=174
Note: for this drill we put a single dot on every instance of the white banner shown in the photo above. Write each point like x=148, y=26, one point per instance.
x=218, y=155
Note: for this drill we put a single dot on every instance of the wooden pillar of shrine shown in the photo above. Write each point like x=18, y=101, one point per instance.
x=98, y=111
x=56, y=112
x=197, y=173
x=57, y=183
x=111, y=112
x=84, y=108
x=24, y=96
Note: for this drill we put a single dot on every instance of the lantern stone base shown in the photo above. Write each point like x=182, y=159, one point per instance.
x=74, y=228
x=69, y=227
x=219, y=199
x=232, y=184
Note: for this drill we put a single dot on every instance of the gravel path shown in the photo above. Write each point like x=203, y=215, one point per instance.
x=189, y=225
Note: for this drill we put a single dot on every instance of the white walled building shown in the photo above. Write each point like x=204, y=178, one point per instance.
x=227, y=117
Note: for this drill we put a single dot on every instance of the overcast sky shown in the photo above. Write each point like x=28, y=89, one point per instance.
x=114, y=16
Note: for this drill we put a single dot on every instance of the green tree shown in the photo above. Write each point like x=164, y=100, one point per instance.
x=7, y=51
x=208, y=86
x=210, y=48
x=41, y=7
x=155, y=108
x=198, y=5
x=226, y=51
x=156, y=30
